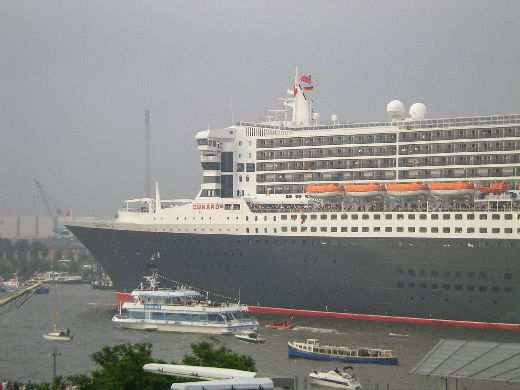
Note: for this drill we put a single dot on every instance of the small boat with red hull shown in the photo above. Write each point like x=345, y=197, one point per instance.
x=282, y=325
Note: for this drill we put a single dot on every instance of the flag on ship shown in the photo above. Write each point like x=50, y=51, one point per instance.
x=306, y=78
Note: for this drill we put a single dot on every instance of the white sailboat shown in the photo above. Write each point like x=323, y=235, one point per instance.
x=57, y=334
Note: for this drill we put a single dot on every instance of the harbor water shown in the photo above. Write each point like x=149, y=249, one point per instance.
x=24, y=353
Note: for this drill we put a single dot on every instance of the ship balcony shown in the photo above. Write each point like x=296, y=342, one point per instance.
x=204, y=158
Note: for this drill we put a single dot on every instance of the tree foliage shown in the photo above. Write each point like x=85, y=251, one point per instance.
x=206, y=354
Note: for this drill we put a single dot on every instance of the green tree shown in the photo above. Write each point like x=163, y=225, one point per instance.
x=206, y=354
x=121, y=368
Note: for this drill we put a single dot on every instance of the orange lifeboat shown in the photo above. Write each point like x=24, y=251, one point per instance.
x=452, y=189
x=364, y=190
x=324, y=190
x=406, y=190
x=495, y=188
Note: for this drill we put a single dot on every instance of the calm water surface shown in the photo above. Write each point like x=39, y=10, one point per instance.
x=24, y=354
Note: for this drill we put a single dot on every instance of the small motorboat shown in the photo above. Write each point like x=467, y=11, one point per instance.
x=335, y=378
x=58, y=335
x=282, y=325
x=250, y=337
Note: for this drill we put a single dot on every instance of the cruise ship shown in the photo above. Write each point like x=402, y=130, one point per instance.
x=409, y=216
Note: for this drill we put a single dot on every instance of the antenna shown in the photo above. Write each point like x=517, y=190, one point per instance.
x=148, y=168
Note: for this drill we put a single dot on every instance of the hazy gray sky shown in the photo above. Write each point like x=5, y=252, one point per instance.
x=77, y=76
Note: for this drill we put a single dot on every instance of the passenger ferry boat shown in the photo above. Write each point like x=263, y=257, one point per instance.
x=409, y=216
x=181, y=310
x=311, y=349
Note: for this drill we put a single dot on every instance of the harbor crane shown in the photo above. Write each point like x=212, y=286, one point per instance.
x=53, y=212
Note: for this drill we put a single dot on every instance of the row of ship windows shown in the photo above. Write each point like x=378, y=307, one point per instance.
x=389, y=162
x=448, y=274
x=387, y=229
x=354, y=217
x=423, y=216
x=404, y=136
x=456, y=287
x=406, y=149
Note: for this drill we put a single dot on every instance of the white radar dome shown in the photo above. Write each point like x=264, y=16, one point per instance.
x=395, y=109
x=418, y=111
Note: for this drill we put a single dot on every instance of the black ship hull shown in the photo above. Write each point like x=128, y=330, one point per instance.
x=458, y=279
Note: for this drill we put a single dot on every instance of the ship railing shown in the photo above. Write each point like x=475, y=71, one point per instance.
x=488, y=207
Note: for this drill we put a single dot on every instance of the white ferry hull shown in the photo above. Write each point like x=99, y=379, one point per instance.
x=181, y=328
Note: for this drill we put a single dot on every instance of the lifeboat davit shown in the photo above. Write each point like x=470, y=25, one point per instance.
x=406, y=190
x=452, y=189
x=324, y=190
x=495, y=188
x=364, y=190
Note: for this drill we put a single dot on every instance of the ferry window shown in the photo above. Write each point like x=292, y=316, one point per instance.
x=388, y=229
x=377, y=216
x=411, y=216
x=446, y=286
x=388, y=216
x=227, y=207
x=470, y=230
x=508, y=276
x=240, y=167
x=247, y=230
x=495, y=216
x=470, y=216
x=256, y=230
x=354, y=216
x=364, y=229
x=411, y=229
x=483, y=288
x=256, y=217
x=314, y=216
x=434, y=274
x=434, y=216
x=250, y=167
x=471, y=275
x=423, y=229
x=344, y=216
x=470, y=287
x=458, y=216
x=236, y=207
x=344, y=229
x=365, y=216
x=482, y=230
x=333, y=229
x=446, y=230
x=458, y=287
x=435, y=286
x=495, y=230
x=334, y=216
x=400, y=284
x=354, y=229
x=482, y=275
x=508, y=216
x=496, y=289
x=156, y=315
x=323, y=229
x=483, y=216
x=422, y=216
x=294, y=217
x=314, y=229
x=284, y=217
x=411, y=285
x=458, y=230
x=247, y=218
x=275, y=230
x=136, y=314
x=400, y=216
x=422, y=285
x=274, y=218
x=323, y=216
x=377, y=229
x=294, y=229
x=434, y=230
x=303, y=229
x=400, y=229
x=508, y=289
x=284, y=229
x=445, y=216
x=265, y=217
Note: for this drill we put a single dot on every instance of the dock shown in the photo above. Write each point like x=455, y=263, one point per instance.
x=19, y=293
